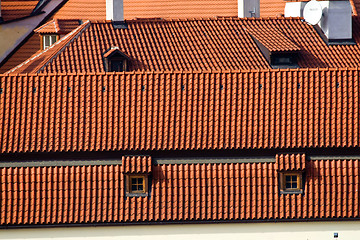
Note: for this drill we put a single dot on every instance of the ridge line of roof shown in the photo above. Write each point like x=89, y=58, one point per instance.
x=199, y=19
x=181, y=72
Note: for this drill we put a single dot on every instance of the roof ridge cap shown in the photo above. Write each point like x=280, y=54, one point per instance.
x=184, y=72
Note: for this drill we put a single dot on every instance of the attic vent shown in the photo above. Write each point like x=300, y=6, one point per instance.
x=115, y=60
x=278, y=50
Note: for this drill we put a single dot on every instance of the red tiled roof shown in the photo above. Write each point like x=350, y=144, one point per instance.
x=59, y=26
x=136, y=164
x=38, y=60
x=272, y=8
x=11, y=10
x=273, y=39
x=180, y=110
x=96, y=9
x=179, y=192
x=290, y=162
x=208, y=44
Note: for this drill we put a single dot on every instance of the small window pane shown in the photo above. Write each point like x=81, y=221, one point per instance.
x=53, y=39
x=133, y=181
x=294, y=178
x=294, y=185
x=140, y=187
x=133, y=187
x=140, y=181
x=288, y=185
x=288, y=178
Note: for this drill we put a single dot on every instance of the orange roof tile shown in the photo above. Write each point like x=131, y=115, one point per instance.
x=273, y=39
x=179, y=192
x=199, y=44
x=290, y=162
x=136, y=164
x=180, y=110
x=59, y=26
x=11, y=10
x=37, y=61
x=272, y=8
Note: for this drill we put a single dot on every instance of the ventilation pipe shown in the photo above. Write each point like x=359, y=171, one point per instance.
x=248, y=8
x=115, y=10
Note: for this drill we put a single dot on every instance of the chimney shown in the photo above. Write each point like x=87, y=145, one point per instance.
x=336, y=22
x=248, y=8
x=114, y=10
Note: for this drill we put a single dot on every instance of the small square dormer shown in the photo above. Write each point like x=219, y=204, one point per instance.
x=115, y=60
x=52, y=31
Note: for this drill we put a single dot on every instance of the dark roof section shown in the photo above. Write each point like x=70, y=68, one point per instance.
x=300, y=108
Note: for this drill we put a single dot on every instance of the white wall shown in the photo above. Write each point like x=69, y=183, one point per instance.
x=251, y=231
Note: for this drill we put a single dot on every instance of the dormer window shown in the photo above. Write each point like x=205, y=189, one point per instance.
x=281, y=59
x=278, y=50
x=115, y=60
x=48, y=40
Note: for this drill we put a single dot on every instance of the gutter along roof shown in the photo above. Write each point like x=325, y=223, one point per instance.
x=302, y=108
x=198, y=44
x=179, y=192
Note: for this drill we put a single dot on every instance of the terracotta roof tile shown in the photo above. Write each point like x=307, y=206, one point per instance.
x=273, y=39
x=199, y=44
x=11, y=10
x=58, y=26
x=290, y=162
x=136, y=164
x=179, y=192
x=180, y=110
x=39, y=60
x=272, y=8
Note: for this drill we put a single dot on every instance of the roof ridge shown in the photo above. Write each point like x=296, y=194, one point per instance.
x=216, y=18
x=183, y=72
x=43, y=26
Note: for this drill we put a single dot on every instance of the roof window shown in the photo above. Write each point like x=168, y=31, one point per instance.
x=48, y=40
x=115, y=60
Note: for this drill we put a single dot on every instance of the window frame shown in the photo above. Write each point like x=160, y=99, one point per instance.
x=282, y=182
x=51, y=43
x=128, y=185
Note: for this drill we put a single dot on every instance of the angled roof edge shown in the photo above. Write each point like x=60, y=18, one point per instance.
x=180, y=72
x=53, y=50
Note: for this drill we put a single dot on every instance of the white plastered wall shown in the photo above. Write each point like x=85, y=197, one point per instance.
x=229, y=231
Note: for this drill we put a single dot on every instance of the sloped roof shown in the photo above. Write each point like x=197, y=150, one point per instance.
x=58, y=26
x=11, y=10
x=300, y=108
x=273, y=39
x=179, y=192
x=198, y=44
x=41, y=58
